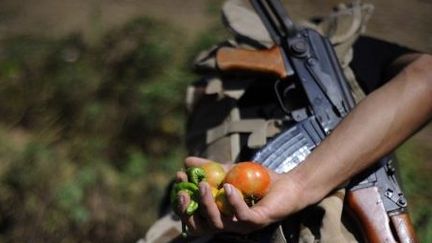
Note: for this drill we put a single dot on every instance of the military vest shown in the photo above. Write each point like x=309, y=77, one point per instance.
x=233, y=114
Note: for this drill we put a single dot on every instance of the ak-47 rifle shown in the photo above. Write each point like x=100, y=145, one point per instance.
x=303, y=56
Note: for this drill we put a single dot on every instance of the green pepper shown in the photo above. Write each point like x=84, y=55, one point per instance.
x=191, y=189
x=195, y=174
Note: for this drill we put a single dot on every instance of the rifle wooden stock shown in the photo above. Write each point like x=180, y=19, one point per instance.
x=368, y=207
x=265, y=61
x=404, y=228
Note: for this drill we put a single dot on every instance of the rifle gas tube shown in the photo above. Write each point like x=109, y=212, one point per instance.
x=307, y=58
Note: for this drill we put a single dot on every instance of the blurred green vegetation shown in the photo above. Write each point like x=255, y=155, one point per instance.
x=91, y=135
x=416, y=180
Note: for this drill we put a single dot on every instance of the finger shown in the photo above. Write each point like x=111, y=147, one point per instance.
x=196, y=226
x=241, y=209
x=209, y=209
x=195, y=161
x=193, y=223
x=183, y=201
x=181, y=176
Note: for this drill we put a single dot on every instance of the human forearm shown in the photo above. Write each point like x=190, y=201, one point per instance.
x=376, y=126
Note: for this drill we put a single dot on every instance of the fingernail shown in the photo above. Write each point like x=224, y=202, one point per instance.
x=228, y=189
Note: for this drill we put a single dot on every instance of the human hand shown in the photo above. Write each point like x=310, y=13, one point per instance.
x=280, y=201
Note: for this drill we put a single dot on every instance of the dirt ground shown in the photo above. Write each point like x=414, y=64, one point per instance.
x=401, y=21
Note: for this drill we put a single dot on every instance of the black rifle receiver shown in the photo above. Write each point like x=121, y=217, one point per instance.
x=311, y=59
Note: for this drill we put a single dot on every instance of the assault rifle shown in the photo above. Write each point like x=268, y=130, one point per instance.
x=303, y=56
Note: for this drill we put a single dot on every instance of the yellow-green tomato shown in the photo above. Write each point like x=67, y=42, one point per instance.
x=214, y=173
x=214, y=191
x=222, y=202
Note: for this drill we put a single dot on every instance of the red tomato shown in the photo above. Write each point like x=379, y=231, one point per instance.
x=252, y=179
x=214, y=173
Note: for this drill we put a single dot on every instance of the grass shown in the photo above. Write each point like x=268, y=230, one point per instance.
x=88, y=132
x=415, y=174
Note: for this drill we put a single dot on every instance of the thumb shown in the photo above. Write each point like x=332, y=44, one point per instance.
x=195, y=161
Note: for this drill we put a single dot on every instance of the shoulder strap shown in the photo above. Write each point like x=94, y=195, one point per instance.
x=343, y=27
